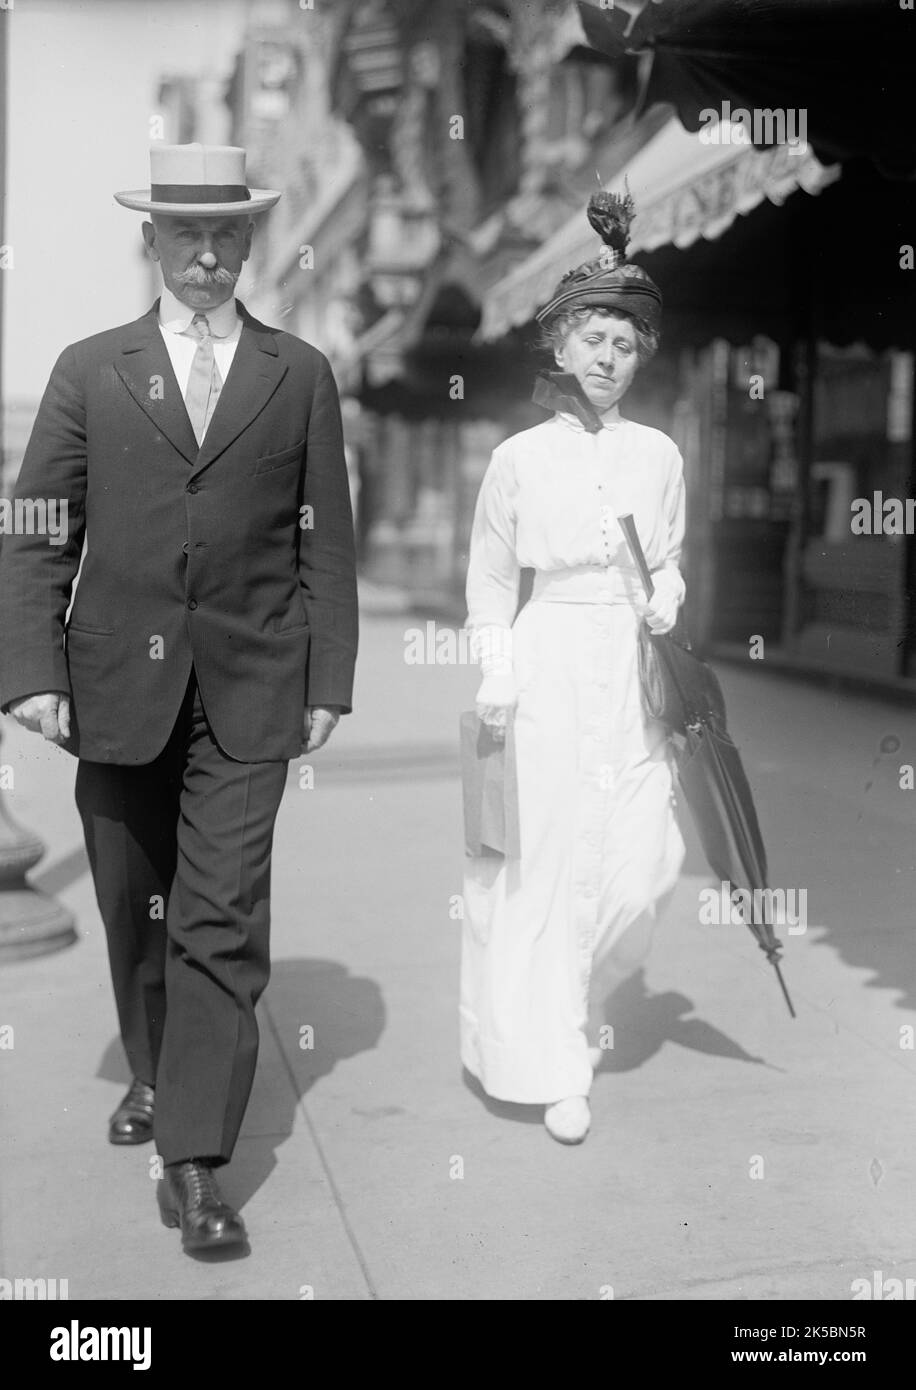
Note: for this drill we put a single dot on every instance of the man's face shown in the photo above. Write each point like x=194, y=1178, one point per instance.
x=601, y=354
x=201, y=257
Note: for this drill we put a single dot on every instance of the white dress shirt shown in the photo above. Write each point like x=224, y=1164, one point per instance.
x=550, y=500
x=174, y=323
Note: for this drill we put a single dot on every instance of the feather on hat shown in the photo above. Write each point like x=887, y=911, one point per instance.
x=609, y=281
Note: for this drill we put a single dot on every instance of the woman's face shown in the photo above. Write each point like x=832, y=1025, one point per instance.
x=600, y=351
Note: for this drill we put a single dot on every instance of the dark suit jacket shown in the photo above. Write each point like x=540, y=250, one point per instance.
x=192, y=555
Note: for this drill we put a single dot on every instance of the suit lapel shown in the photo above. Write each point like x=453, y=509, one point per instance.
x=146, y=370
x=254, y=376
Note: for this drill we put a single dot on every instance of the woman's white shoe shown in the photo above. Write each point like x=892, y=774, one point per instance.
x=568, y=1120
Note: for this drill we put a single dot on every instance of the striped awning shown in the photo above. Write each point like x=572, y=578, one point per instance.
x=685, y=186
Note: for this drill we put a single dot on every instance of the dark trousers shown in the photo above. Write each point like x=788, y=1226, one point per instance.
x=180, y=855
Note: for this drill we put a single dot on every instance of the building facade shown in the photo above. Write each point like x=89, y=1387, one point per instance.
x=437, y=158
x=425, y=150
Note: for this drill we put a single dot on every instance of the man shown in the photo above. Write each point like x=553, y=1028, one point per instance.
x=212, y=638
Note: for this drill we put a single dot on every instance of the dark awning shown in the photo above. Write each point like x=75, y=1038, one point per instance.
x=847, y=64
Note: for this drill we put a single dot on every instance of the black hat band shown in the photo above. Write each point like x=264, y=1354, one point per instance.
x=199, y=193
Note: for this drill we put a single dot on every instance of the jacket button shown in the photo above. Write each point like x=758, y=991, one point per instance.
x=192, y=487
x=192, y=602
x=184, y=548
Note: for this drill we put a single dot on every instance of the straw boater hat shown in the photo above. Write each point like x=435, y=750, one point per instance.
x=609, y=281
x=200, y=181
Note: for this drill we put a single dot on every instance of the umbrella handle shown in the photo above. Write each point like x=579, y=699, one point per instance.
x=631, y=535
x=628, y=526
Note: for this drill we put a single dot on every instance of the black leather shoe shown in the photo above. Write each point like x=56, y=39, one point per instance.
x=132, y=1122
x=190, y=1198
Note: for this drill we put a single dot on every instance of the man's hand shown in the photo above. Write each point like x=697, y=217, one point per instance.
x=48, y=715
x=318, y=726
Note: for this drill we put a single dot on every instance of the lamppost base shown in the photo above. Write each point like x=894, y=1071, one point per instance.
x=32, y=924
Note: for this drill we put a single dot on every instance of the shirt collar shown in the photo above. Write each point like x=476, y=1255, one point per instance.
x=575, y=423
x=176, y=317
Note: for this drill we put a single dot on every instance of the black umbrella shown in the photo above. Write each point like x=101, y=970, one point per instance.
x=712, y=776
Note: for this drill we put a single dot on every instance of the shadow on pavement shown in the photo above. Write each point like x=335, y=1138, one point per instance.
x=346, y=1016
x=503, y=1109
x=644, y=1022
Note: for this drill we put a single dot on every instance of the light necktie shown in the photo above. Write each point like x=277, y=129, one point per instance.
x=204, y=383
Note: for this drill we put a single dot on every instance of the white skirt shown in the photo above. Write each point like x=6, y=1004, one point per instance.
x=600, y=847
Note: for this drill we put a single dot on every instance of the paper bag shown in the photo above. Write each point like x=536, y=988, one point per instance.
x=490, y=790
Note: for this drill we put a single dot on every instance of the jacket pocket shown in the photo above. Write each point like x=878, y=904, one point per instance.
x=287, y=456
x=289, y=626
x=91, y=629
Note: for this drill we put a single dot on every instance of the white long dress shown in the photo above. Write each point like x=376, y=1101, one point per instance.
x=600, y=845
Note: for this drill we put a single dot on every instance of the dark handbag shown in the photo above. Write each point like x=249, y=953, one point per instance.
x=678, y=689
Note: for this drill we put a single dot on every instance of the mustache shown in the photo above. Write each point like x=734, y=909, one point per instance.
x=203, y=278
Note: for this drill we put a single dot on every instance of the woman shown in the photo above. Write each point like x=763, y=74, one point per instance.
x=548, y=935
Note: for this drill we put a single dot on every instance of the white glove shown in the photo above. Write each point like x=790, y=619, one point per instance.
x=495, y=698
x=497, y=694
x=660, y=612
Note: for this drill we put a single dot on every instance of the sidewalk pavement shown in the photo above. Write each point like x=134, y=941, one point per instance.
x=734, y=1153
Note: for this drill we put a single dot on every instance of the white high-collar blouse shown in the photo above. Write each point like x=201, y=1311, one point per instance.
x=550, y=500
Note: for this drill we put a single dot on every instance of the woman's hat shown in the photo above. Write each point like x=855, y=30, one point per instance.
x=200, y=181
x=609, y=281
